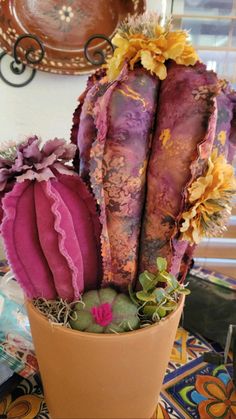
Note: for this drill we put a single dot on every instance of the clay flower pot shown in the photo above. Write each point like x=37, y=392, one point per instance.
x=88, y=375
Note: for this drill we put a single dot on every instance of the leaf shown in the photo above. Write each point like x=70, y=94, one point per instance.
x=160, y=295
x=163, y=276
x=133, y=296
x=183, y=290
x=170, y=307
x=161, y=264
x=147, y=280
x=144, y=296
x=161, y=312
x=172, y=282
x=149, y=310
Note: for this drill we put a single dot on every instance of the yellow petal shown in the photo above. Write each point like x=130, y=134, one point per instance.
x=175, y=51
x=147, y=60
x=119, y=41
x=160, y=71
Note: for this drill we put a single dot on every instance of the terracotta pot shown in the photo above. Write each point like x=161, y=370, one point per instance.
x=86, y=375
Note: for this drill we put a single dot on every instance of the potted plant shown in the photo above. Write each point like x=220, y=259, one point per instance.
x=102, y=253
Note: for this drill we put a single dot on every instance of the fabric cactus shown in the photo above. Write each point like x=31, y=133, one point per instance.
x=50, y=227
x=146, y=132
x=113, y=138
x=184, y=136
x=105, y=311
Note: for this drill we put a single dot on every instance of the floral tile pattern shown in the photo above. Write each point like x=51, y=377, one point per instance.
x=191, y=389
x=187, y=347
x=204, y=391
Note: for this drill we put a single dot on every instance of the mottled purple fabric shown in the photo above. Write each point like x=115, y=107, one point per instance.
x=185, y=130
x=124, y=118
x=232, y=137
x=83, y=131
x=224, y=118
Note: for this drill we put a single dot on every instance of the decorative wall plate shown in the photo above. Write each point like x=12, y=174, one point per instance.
x=63, y=27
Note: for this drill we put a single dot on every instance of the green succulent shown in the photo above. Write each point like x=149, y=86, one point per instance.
x=159, y=294
x=105, y=311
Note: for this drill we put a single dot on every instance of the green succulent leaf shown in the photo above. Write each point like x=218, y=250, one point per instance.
x=147, y=280
x=160, y=295
x=171, y=307
x=161, y=312
x=145, y=296
x=183, y=290
x=161, y=264
x=132, y=295
x=149, y=309
x=172, y=283
x=163, y=276
x=155, y=299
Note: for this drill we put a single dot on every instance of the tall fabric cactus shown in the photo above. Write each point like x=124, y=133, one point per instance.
x=185, y=129
x=50, y=226
x=118, y=161
x=145, y=136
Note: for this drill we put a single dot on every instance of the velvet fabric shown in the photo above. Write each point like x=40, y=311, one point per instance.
x=50, y=226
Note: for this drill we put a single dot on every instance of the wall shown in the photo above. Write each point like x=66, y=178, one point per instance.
x=46, y=105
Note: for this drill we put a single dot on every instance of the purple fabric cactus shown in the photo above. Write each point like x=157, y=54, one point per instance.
x=118, y=159
x=185, y=129
x=50, y=227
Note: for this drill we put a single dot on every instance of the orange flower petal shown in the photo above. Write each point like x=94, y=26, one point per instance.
x=212, y=410
x=4, y=403
x=218, y=410
x=25, y=407
x=210, y=387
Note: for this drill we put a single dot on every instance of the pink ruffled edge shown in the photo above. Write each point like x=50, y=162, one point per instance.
x=90, y=202
x=77, y=275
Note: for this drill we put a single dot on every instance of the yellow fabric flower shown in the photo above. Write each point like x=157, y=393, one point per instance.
x=152, y=46
x=210, y=201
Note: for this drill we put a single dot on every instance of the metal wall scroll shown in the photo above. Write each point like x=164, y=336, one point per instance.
x=18, y=66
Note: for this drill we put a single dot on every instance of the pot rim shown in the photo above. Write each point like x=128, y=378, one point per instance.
x=107, y=336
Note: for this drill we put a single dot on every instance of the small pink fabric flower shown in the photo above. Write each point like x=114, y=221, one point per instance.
x=102, y=314
x=33, y=161
x=30, y=160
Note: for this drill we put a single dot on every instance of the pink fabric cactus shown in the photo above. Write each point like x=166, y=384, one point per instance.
x=50, y=227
